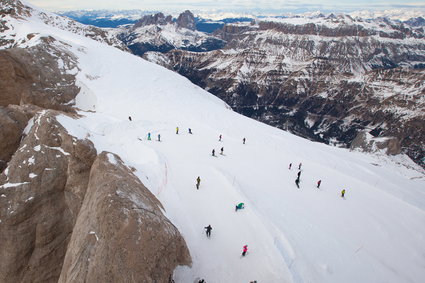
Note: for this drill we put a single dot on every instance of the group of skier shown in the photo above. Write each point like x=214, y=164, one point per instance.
x=241, y=205
x=297, y=180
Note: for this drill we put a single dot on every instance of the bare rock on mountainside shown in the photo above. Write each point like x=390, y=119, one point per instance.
x=43, y=75
x=57, y=204
x=37, y=204
x=368, y=143
x=12, y=123
x=121, y=235
x=186, y=20
x=15, y=79
x=157, y=19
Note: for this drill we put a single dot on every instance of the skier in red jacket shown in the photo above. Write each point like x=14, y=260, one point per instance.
x=245, y=249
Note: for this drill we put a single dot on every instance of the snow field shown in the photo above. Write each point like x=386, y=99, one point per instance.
x=377, y=234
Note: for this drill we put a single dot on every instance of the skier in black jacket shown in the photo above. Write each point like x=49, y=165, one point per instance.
x=208, y=228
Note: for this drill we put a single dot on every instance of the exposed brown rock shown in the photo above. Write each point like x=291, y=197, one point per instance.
x=157, y=19
x=121, y=235
x=34, y=76
x=12, y=123
x=186, y=20
x=15, y=80
x=366, y=142
x=51, y=190
x=36, y=215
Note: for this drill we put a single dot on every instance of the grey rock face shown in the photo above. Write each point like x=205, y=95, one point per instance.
x=121, y=235
x=12, y=123
x=366, y=142
x=34, y=76
x=36, y=218
x=50, y=189
x=157, y=19
x=68, y=215
x=186, y=20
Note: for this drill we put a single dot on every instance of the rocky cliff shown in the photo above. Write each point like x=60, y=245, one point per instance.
x=324, y=78
x=67, y=213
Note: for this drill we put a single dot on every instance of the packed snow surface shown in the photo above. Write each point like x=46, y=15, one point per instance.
x=375, y=234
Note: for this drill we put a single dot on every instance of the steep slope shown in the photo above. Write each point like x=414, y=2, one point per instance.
x=56, y=220
x=327, y=79
x=291, y=236
x=294, y=235
x=12, y=10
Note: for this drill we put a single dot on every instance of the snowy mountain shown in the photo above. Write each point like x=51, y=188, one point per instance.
x=329, y=79
x=306, y=234
x=160, y=33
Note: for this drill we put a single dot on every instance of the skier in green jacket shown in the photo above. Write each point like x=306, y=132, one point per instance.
x=239, y=206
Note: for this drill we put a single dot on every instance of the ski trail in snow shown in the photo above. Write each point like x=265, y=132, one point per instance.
x=280, y=241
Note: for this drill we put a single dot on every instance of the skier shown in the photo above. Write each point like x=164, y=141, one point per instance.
x=219, y=138
x=129, y=118
x=208, y=228
x=343, y=193
x=149, y=136
x=159, y=137
x=318, y=184
x=290, y=165
x=221, y=150
x=243, y=140
x=190, y=131
x=299, y=166
x=299, y=174
x=239, y=206
x=177, y=130
x=213, y=152
x=245, y=250
x=198, y=182
x=297, y=182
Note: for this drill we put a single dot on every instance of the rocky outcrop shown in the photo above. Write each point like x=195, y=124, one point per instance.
x=43, y=75
x=37, y=211
x=157, y=19
x=12, y=124
x=367, y=142
x=53, y=194
x=186, y=20
x=121, y=235
x=15, y=79
x=69, y=216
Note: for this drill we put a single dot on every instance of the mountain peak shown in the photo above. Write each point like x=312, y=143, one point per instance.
x=186, y=20
x=157, y=19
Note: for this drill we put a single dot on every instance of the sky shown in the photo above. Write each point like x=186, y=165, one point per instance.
x=228, y=5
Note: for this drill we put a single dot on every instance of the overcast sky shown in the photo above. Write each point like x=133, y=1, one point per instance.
x=227, y=5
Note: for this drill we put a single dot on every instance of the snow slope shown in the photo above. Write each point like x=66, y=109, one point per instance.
x=375, y=234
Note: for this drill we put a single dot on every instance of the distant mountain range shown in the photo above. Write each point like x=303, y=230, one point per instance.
x=209, y=22
x=334, y=78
